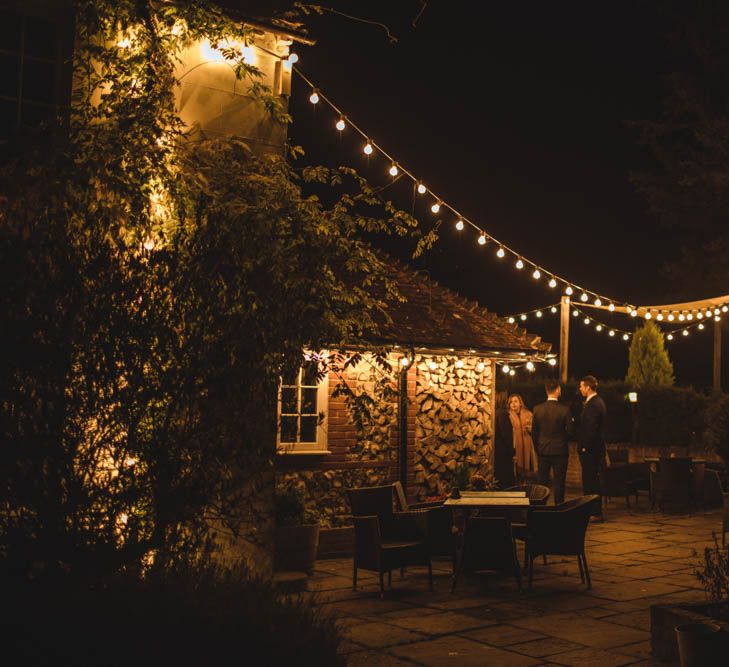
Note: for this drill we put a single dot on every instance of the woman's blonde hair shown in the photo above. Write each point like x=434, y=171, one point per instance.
x=519, y=398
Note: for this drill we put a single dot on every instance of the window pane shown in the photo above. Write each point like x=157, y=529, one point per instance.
x=8, y=118
x=288, y=429
x=308, y=401
x=9, y=30
x=308, y=429
x=40, y=38
x=291, y=378
x=9, y=70
x=38, y=81
x=309, y=375
x=33, y=115
x=288, y=400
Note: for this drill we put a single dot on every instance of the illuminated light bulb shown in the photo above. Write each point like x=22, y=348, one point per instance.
x=671, y=317
x=367, y=148
x=393, y=170
x=587, y=320
x=575, y=313
x=432, y=365
x=512, y=372
x=553, y=310
x=659, y=317
x=459, y=364
x=500, y=253
x=505, y=368
x=707, y=313
x=699, y=315
x=529, y=366
x=523, y=318
x=552, y=362
x=460, y=226
x=340, y=124
x=130, y=461
x=583, y=297
x=538, y=313
x=625, y=336
x=724, y=309
x=123, y=517
x=717, y=318
x=124, y=43
x=598, y=301
x=598, y=327
x=293, y=58
x=537, y=274
x=481, y=239
x=670, y=336
x=611, y=333
x=648, y=314
x=717, y=311
x=314, y=98
x=685, y=332
x=519, y=264
x=701, y=326
x=568, y=290
x=435, y=207
x=480, y=366
x=681, y=317
x=511, y=320
x=690, y=317
x=633, y=313
x=611, y=307
x=422, y=189
x=149, y=243
x=404, y=361
x=552, y=283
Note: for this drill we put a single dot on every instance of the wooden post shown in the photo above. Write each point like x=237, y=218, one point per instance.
x=564, y=338
x=717, y=356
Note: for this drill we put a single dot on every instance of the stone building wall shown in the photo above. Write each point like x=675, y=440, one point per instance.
x=453, y=422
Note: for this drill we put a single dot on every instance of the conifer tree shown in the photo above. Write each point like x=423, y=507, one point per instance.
x=649, y=364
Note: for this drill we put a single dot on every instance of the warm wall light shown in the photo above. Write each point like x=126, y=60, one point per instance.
x=633, y=396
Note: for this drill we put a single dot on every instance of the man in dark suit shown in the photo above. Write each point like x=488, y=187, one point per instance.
x=551, y=431
x=591, y=440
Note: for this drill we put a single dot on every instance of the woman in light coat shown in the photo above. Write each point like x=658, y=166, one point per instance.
x=525, y=455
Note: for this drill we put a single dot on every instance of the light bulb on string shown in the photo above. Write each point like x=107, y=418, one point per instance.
x=293, y=58
x=681, y=317
x=724, y=309
x=575, y=313
x=553, y=310
x=717, y=318
x=717, y=311
x=699, y=315
x=625, y=336
x=701, y=326
x=432, y=365
x=707, y=314
x=611, y=307
x=422, y=189
x=459, y=363
x=670, y=337
x=552, y=361
x=500, y=253
x=404, y=361
x=568, y=290
x=314, y=98
x=149, y=243
x=690, y=316
x=633, y=313
x=435, y=207
x=648, y=314
x=671, y=317
x=511, y=320
x=530, y=366
x=460, y=225
x=611, y=333
x=598, y=327
x=512, y=372
x=536, y=274
x=685, y=332
x=393, y=170
x=598, y=302
x=481, y=239
x=538, y=313
x=552, y=282
x=519, y=263
x=367, y=148
x=480, y=366
x=659, y=317
x=505, y=368
x=340, y=124
x=586, y=320
x=523, y=318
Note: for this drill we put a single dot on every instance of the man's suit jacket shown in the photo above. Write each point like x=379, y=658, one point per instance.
x=591, y=437
x=552, y=428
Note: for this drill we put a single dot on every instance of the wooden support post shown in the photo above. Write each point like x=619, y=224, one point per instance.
x=717, y=356
x=564, y=338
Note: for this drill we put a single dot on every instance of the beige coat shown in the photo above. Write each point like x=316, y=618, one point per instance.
x=521, y=423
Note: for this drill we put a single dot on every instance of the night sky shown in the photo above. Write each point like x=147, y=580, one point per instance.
x=519, y=115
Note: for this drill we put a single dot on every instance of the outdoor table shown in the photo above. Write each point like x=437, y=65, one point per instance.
x=493, y=494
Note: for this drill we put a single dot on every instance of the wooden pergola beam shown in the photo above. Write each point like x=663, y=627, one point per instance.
x=701, y=304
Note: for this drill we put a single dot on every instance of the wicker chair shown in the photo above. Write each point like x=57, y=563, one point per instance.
x=488, y=545
x=671, y=484
x=615, y=480
x=385, y=540
x=558, y=530
x=640, y=479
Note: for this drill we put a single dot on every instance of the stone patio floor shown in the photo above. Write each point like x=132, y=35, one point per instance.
x=636, y=558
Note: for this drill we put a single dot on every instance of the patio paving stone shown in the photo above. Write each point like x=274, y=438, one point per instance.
x=379, y=635
x=502, y=635
x=461, y=652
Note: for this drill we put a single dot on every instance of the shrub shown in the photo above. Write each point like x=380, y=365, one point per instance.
x=186, y=617
x=649, y=365
x=713, y=572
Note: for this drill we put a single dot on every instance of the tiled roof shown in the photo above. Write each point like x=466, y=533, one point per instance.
x=436, y=318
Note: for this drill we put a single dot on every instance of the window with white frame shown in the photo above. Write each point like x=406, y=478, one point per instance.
x=302, y=412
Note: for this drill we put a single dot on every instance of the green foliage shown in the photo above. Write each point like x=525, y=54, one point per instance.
x=139, y=382
x=713, y=572
x=289, y=505
x=185, y=616
x=649, y=365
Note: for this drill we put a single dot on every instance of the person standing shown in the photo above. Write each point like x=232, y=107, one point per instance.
x=551, y=431
x=521, y=424
x=591, y=440
x=503, y=443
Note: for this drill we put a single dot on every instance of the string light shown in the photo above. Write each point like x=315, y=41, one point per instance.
x=505, y=368
x=537, y=274
x=717, y=319
x=671, y=317
x=587, y=320
x=681, y=317
x=725, y=309
x=633, y=313
x=648, y=314
x=500, y=253
x=717, y=311
x=519, y=264
x=481, y=239
x=538, y=313
x=293, y=58
x=689, y=317
x=575, y=313
x=530, y=366
x=583, y=297
x=699, y=315
x=701, y=326
x=480, y=366
x=511, y=320
x=404, y=361
x=598, y=327
x=552, y=283
x=512, y=372
x=340, y=124
x=611, y=333
x=459, y=227
x=459, y=363
x=611, y=307
x=669, y=336
x=659, y=317
x=149, y=243
x=314, y=98
x=393, y=170
x=435, y=207
x=422, y=189
x=553, y=309
x=432, y=365
x=598, y=302
x=367, y=148
x=685, y=332
x=523, y=317
x=552, y=361
x=625, y=336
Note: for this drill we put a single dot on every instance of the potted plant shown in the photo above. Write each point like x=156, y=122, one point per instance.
x=297, y=530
